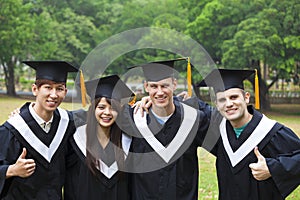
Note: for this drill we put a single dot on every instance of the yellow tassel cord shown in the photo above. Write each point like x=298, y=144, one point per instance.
x=189, y=77
x=257, y=101
x=132, y=101
x=83, y=89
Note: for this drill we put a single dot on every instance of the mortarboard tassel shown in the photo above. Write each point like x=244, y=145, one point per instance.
x=189, y=77
x=257, y=102
x=132, y=101
x=83, y=89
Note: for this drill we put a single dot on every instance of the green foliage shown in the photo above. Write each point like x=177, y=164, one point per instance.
x=235, y=33
x=137, y=13
x=244, y=31
x=15, y=29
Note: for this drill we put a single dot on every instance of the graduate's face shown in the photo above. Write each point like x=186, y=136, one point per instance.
x=105, y=114
x=161, y=92
x=232, y=104
x=49, y=96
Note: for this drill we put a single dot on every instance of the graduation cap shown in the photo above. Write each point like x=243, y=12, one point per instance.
x=56, y=71
x=111, y=87
x=224, y=79
x=158, y=70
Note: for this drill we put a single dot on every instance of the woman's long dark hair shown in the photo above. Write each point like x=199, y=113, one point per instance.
x=93, y=145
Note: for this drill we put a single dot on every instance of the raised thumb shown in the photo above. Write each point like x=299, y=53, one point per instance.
x=258, y=155
x=23, y=154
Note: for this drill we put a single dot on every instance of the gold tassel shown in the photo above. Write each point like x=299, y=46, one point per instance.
x=132, y=101
x=257, y=101
x=189, y=77
x=83, y=89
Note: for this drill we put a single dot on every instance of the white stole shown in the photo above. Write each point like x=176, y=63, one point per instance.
x=47, y=152
x=108, y=171
x=166, y=153
x=262, y=129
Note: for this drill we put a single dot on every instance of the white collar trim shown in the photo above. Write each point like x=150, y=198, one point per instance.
x=47, y=152
x=166, y=153
x=262, y=129
x=108, y=171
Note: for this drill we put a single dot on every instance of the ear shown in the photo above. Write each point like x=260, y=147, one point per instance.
x=247, y=97
x=216, y=105
x=66, y=90
x=174, y=84
x=146, y=86
x=34, y=89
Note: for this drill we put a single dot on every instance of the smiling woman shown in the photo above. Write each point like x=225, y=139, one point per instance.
x=100, y=145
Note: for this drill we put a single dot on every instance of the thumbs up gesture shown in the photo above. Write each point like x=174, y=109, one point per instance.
x=22, y=168
x=260, y=170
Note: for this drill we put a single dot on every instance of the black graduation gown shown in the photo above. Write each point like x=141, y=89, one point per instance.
x=47, y=149
x=178, y=177
x=82, y=184
x=280, y=147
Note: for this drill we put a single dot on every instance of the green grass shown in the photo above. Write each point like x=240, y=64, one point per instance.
x=8, y=104
x=208, y=188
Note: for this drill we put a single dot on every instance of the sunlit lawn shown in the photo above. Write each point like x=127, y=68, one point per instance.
x=208, y=189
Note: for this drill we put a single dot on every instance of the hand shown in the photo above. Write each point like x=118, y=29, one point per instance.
x=142, y=105
x=184, y=95
x=260, y=170
x=15, y=112
x=22, y=168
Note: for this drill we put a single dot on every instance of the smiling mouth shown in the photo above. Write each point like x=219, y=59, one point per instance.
x=160, y=98
x=106, y=119
x=231, y=110
x=52, y=103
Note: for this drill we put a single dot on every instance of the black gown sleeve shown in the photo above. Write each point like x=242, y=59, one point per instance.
x=9, y=152
x=212, y=134
x=284, y=165
x=72, y=174
x=79, y=117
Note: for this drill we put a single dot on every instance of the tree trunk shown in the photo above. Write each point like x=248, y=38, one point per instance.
x=10, y=79
x=264, y=96
x=265, y=75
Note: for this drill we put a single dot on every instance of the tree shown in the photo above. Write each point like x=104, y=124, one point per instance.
x=70, y=33
x=215, y=23
x=251, y=34
x=31, y=30
x=15, y=34
x=287, y=22
x=239, y=34
x=139, y=14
